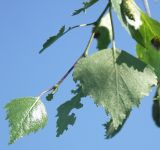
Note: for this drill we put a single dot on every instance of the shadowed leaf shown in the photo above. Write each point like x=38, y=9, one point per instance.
x=85, y=6
x=64, y=115
x=156, y=107
x=52, y=39
x=103, y=32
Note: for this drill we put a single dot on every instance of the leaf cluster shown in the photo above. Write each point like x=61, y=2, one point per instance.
x=114, y=79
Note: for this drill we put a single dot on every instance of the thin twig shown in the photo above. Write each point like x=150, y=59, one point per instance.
x=77, y=26
x=84, y=54
x=102, y=14
x=113, y=34
x=146, y=6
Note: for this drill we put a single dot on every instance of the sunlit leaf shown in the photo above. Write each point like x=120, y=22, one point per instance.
x=25, y=115
x=149, y=56
x=65, y=117
x=145, y=30
x=149, y=52
x=85, y=6
x=110, y=130
x=52, y=39
x=116, y=86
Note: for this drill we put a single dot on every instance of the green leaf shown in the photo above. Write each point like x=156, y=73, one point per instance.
x=145, y=30
x=25, y=115
x=53, y=39
x=65, y=117
x=130, y=16
x=149, y=52
x=156, y=107
x=103, y=32
x=49, y=97
x=54, y=89
x=86, y=5
x=116, y=6
x=150, y=56
x=110, y=130
x=116, y=86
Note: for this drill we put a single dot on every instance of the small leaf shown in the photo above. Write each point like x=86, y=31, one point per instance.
x=52, y=39
x=25, y=115
x=103, y=32
x=116, y=86
x=49, y=97
x=54, y=89
x=64, y=110
x=86, y=6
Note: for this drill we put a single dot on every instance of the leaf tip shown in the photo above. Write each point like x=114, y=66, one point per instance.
x=41, y=50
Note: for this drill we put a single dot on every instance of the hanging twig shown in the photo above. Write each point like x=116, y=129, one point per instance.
x=84, y=54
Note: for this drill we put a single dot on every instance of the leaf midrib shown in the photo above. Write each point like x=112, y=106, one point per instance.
x=28, y=112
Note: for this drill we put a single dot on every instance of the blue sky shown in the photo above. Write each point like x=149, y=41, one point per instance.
x=24, y=26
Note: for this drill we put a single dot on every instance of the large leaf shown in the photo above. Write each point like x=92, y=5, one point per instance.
x=103, y=32
x=25, y=115
x=53, y=39
x=145, y=30
x=64, y=110
x=85, y=6
x=116, y=86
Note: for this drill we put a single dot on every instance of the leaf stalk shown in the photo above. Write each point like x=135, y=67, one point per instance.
x=55, y=87
x=112, y=25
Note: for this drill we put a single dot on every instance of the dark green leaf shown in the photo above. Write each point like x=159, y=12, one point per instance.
x=103, y=32
x=49, y=97
x=85, y=6
x=65, y=117
x=53, y=90
x=150, y=51
x=25, y=115
x=116, y=86
x=52, y=39
x=150, y=56
x=145, y=30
